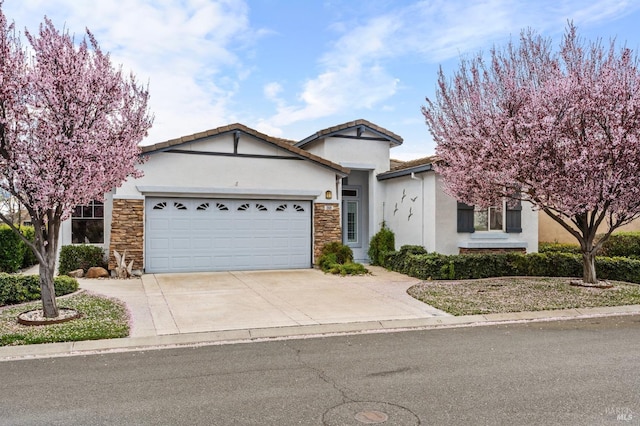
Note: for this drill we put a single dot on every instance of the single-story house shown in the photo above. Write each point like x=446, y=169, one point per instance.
x=233, y=198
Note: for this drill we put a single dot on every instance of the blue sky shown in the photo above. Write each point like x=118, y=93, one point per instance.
x=291, y=67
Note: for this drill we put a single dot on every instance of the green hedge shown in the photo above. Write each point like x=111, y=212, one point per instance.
x=473, y=266
x=14, y=253
x=80, y=256
x=626, y=244
x=24, y=288
x=12, y=250
x=559, y=248
x=29, y=258
x=620, y=244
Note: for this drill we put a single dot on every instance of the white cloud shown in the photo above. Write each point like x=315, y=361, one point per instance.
x=272, y=91
x=185, y=49
x=354, y=73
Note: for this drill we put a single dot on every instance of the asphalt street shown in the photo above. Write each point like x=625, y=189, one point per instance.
x=574, y=372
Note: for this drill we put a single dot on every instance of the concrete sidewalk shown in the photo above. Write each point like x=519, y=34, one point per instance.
x=171, y=310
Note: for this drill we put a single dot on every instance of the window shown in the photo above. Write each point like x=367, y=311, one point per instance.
x=87, y=224
x=352, y=221
x=506, y=217
x=490, y=219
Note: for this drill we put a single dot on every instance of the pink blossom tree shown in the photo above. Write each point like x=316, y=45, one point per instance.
x=70, y=124
x=558, y=128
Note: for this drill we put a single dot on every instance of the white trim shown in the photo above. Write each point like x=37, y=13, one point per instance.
x=251, y=193
x=358, y=166
x=488, y=244
x=128, y=197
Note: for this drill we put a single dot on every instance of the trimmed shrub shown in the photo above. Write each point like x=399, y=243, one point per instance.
x=12, y=250
x=381, y=243
x=626, y=244
x=25, y=288
x=80, y=256
x=472, y=266
x=29, y=258
x=559, y=248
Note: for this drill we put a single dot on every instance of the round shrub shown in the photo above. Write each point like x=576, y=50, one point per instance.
x=80, y=256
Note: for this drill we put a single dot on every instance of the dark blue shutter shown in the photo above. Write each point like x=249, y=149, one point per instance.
x=514, y=218
x=465, y=218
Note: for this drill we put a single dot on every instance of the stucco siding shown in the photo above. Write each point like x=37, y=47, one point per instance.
x=370, y=153
x=237, y=173
x=405, y=216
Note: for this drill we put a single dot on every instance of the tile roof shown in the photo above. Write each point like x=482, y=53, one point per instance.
x=285, y=144
x=404, y=168
x=402, y=165
x=393, y=138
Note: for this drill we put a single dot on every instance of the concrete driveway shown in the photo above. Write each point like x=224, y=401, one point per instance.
x=162, y=304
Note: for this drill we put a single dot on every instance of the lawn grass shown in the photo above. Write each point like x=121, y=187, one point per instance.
x=102, y=318
x=519, y=294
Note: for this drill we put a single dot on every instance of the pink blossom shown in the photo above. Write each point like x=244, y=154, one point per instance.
x=562, y=127
x=70, y=124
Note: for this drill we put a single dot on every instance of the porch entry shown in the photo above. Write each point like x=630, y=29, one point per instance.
x=356, y=213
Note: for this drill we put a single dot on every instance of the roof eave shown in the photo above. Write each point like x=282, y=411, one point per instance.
x=173, y=143
x=318, y=135
x=405, y=172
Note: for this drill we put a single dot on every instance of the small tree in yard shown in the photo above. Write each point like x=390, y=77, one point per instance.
x=69, y=128
x=560, y=129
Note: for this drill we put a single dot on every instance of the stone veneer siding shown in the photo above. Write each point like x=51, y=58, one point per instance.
x=326, y=226
x=491, y=250
x=127, y=232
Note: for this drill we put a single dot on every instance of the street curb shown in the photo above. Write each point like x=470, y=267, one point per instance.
x=89, y=347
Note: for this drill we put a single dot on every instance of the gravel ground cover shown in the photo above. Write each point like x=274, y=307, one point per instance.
x=519, y=294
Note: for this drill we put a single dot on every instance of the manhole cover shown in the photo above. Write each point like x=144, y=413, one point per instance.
x=371, y=417
x=369, y=412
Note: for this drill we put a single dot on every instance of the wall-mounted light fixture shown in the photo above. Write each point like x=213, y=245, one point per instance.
x=328, y=195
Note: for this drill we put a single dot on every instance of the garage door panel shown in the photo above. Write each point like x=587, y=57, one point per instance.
x=217, y=234
x=158, y=224
x=202, y=243
x=181, y=263
x=201, y=261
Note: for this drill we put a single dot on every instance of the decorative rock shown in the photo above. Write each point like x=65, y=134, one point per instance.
x=78, y=273
x=97, y=272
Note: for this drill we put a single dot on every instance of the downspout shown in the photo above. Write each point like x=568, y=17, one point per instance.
x=421, y=179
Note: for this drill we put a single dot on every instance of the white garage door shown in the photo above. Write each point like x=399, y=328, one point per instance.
x=184, y=234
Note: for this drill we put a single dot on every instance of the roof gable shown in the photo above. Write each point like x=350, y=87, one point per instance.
x=238, y=129
x=360, y=126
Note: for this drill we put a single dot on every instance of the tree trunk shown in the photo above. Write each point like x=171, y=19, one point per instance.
x=48, y=292
x=589, y=267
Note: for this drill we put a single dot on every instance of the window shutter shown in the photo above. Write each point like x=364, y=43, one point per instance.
x=465, y=218
x=514, y=218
